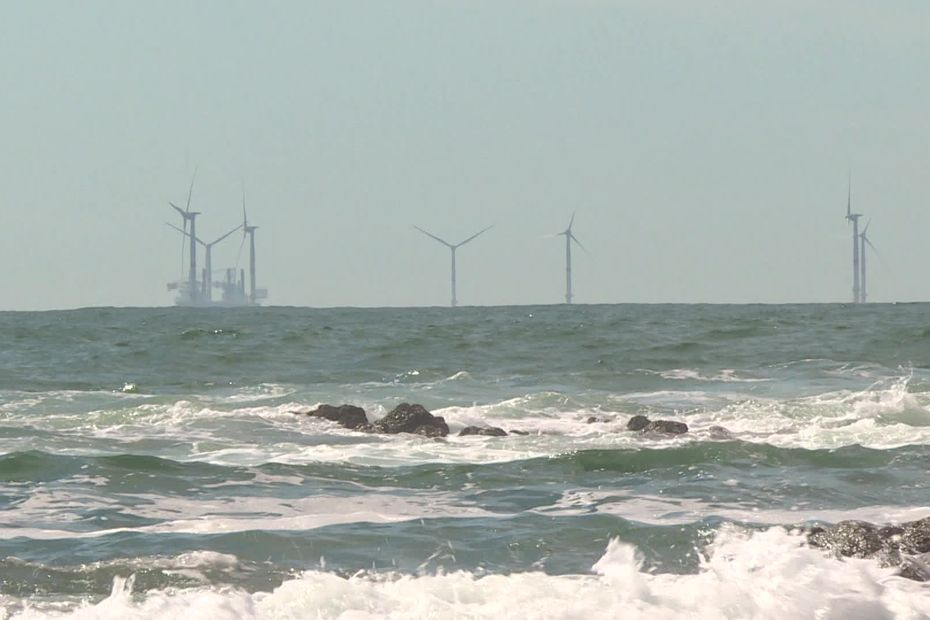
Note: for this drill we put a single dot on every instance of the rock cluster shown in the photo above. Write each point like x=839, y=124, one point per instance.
x=404, y=418
x=644, y=425
x=906, y=546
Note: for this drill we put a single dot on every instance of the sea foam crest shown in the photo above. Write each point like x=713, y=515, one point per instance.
x=762, y=575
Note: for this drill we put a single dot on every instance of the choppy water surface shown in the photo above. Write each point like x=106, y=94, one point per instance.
x=150, y=466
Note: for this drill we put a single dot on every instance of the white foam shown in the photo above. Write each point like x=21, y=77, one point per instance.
x=665, y=510
x=727, y=375
x=236, y=514
x=767, y=575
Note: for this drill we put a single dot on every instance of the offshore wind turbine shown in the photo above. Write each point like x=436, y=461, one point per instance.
x=453, y=248
x=250, y=232
x=854, y=219
x=207, y=284
x=190, y=216
x=864, y=241
x=569, y=237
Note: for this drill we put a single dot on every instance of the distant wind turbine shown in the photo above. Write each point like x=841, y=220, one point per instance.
x=569, y=237
x=190, y=216
x=854, y=218
x=453, y=248
x=207, y=290
x=864, y=239
x=250, y=231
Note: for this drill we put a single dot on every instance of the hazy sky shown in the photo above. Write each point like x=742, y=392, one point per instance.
x=703, y=145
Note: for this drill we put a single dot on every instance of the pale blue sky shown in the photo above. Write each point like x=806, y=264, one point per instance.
x=703, y=145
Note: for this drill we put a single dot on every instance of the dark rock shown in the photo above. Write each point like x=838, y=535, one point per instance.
x=637, y=423
x=518, y=432
x=643, y=424
x=718, y=432
x=406, y=418
x=666, y=426
x=490, y=431
x=855, y=539
x=898, y=546
x=915, y=537
x=345, y=415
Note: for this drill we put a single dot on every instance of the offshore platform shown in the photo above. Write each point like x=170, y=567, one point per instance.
x=231, y=284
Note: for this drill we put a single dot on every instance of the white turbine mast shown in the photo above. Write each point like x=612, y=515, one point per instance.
x=453, y=247
x=569, y=237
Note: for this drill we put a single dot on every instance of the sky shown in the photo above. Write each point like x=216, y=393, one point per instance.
x=705, y=148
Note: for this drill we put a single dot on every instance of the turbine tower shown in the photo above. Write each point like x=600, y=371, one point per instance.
x=569, y=237
x=453, y=248
x=250, y=231
x=207, y=284
x=864, y=241
x=854, y=218
x=190, y=216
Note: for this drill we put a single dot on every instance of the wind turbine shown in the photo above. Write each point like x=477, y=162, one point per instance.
x=250, y=231
x=854, y=218
x=569, y=237
x=864, y=239
x=208, y=262
x=190, y=216
x=453, y=248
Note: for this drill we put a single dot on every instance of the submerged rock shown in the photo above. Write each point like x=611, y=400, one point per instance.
x=407, y=418
x=644, y=425
x=348, y=416
x=718, y=432
x=490, y=431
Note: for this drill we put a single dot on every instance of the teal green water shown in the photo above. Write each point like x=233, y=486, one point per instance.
x=159, y=444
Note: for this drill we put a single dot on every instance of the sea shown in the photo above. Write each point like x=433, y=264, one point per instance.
x=152, y=465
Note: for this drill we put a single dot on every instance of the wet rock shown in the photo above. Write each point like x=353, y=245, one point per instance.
x=854, y=539
x=666, y=426
x=637, y=423
x=915, y=536
x=718, y=432
x=645, y=425
x=489, y=431
x=348, y=416
x=407, y=418
x=519, y=432
x=904, y=546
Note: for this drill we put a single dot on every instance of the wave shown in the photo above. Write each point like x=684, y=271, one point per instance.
x=763, y=575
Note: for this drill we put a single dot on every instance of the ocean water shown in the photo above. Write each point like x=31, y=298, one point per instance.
x=150, y=465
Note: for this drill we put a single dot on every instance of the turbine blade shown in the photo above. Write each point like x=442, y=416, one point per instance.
x=575, y=239
x=245, y=220
x=239, y=254
x=866, y=229
x=849, y=195
x=570, y=222
x=190, y=192
x=224, y=236
x=186, y=234
x=428, y=234
x=475, y=235
x=179, y=210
